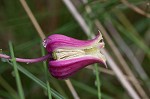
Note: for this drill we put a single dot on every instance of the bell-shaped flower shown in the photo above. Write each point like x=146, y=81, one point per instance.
x=68, y=55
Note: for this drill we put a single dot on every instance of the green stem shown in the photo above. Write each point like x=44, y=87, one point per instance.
x=38, y=81
x=46, y=74
x=98, y=81
x=18, y=81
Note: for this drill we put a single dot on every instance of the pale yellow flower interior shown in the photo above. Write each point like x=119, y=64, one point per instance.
x=64, y=54
x=93, y=51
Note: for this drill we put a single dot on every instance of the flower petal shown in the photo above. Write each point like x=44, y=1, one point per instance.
x=62, y=69
x=56, y=41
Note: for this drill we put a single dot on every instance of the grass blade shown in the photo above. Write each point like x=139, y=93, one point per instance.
x=38, y=81
x=18, y=80
x=46, y=74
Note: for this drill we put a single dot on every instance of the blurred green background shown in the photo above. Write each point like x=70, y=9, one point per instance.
x=53, y=16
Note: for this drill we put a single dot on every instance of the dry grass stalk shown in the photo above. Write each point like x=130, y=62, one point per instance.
x=41, y=34
x=111, y=62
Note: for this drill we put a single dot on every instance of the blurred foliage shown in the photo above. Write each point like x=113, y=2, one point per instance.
x=54, y=17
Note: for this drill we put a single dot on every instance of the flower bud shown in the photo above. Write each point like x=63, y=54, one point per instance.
x=70, y=55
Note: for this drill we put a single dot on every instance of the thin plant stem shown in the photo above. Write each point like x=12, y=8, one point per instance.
x=134, y=8
x=131, y=57
x=35, y=60
x=38, y=81
x=18, y=80
x=46, y=74
x=34, y=21
x=111, y=62
x=71, y=88
x=98, y=82
x=123, y=63
x=32, y=18
x=109, y=72
x=96, y=69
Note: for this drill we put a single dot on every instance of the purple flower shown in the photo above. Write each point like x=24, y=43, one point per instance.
x=70, y=55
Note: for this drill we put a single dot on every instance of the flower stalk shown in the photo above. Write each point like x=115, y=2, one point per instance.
x=35, y=60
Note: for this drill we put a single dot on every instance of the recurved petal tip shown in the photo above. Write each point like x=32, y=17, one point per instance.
x=106, y=65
